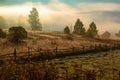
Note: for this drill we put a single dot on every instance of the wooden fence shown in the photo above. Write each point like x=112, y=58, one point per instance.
x=59, y=53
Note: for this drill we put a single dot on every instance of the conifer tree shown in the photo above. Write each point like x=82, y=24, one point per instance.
x=66, y=30
x=34, y=20
x=92, y=31
x=78, y=27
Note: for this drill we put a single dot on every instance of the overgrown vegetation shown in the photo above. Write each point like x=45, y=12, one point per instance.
x=106, y=35
x=17, y=34
x=66, y=30
x=2, y=34
x=97, y=66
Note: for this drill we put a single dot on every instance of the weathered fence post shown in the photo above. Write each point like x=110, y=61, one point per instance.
x=56, y=50
x=39, y=50
x=99, y=47
x=28, y=51
x=95, y=47
x=91, y=47
x=73, y=50
x=83, y=49
x=15, y=56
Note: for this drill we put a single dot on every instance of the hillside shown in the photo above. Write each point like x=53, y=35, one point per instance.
x=47, y=40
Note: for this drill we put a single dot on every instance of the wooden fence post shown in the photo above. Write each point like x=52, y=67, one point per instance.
x=95, y=47
x=28, y=51
x=100, y=46
x=91, y=47
x=73, y=49
x=83, y=49
x=15, y=56
x=56, y=49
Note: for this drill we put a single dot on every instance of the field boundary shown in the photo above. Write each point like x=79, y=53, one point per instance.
x=42, y=54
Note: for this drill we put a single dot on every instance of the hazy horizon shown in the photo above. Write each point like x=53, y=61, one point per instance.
x=56, y=14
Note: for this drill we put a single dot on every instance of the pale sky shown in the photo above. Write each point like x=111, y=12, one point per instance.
x=56, y=14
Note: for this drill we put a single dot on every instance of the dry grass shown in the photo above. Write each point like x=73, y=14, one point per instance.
x=46, y=41
x=97, y=66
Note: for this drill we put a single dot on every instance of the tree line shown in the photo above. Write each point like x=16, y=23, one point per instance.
x=91, y=32
x=80, y=29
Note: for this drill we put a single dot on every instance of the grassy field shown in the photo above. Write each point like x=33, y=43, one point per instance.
x=49, y=40
x=90, y=66
x=96, y=66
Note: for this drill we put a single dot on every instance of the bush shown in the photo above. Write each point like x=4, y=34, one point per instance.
x=69, y=37
x=17, y=34
x=66, y=30
x=2, y=34
x=106, y=35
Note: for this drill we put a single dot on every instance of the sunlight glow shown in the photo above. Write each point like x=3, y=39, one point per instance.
x=24, y=10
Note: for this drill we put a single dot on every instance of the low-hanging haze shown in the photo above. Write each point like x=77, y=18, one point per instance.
x=56, y=14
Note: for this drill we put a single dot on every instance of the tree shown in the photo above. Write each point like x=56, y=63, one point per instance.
x=106, y=35
x=17, y=34
x=34, y=20
x=118, y=34
x=92, y=31
x=2, y=34
x=2, y=23
x=78, y=27
x=66, y=30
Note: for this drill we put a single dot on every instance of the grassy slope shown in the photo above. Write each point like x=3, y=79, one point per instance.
x=44, y=40
x=104, y=63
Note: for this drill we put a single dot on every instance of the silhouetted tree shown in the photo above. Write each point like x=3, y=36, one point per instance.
x=16, y=34
x=92, y=31
x=66, y=30
x=34, y=20
x=118, y=34
x=2, y=23
x=78, y=27
x=2, y=34
x=106, y=35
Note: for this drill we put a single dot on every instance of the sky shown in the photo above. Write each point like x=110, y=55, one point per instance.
x=56, y=14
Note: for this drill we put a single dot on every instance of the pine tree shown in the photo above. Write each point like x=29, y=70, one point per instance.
x=78, y=28
x=66, y=30
x=34, y=20
x=92, y=31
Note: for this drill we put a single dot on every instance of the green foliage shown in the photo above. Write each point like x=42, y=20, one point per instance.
x=92, y=31
x=2, y=34
x=66, y=30
x=16, y=34
x=2, y=23
x=34, y=20
x=78, y=28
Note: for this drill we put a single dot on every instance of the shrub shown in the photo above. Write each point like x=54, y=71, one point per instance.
x=17, y=34
x=69, y=37
x=66, y=30
x=2, y=34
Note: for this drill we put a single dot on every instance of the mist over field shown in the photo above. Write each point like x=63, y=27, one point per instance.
x=56, y=14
